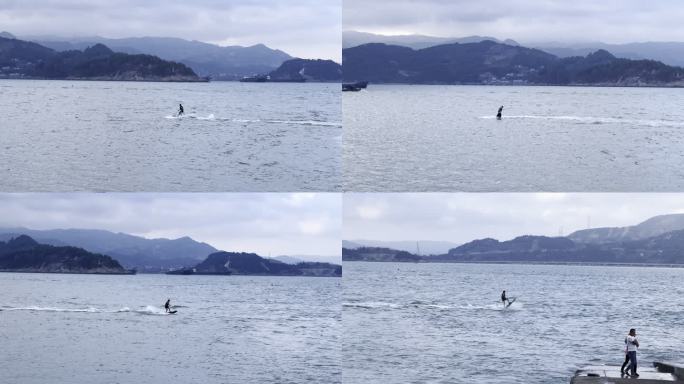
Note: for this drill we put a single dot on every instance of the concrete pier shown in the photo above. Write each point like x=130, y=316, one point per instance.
x=610, y=374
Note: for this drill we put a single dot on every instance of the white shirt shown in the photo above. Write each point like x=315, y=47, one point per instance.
x=631, y=343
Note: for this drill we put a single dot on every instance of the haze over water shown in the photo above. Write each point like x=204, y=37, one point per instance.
x=124, y=136
x=444, y=323
x=446, y=138
x=228, y=329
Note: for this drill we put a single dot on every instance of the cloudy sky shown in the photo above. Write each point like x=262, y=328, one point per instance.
x=282, y=224
x=609, y=21
x=464, y=217
x=303, y=28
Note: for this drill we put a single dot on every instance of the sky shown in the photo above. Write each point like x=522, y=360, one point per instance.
x=280, y=224
x=302, y=28
x=526, y=21
x=461, y=218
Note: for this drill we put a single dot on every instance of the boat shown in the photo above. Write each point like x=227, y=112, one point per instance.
x=354, y=87
x=182, y=271
x=255, y=79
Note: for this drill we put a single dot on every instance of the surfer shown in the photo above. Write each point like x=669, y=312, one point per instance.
x=180, y=110
x=631, y=347
x=498, y=116
x=167, y=306
x=504, y=299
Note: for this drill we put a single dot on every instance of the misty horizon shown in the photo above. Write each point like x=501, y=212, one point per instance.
x=302, y=28
x=460, y=218
x=505, y=38
x=521, y=20
x=143, y=236
x=84, y=38
x=280, y=224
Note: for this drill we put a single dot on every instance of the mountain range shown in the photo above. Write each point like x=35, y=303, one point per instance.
x=670, y=53
x=133, y=252
x=217, y=62
x=24, y=254
x=21, y=253
x=421, y=247
x=27, y=60
x=352, y=39
x=655, y=226
x=241, y=263
x=658, y=240
x=489, y=62
x=300, y=70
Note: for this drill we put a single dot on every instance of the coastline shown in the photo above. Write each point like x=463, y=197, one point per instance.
x=660, y=86
x=127, y=272
x=574, y=264
x=150, y=80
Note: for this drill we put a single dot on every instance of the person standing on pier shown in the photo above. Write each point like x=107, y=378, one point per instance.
x=632, y=346
x=624, y=364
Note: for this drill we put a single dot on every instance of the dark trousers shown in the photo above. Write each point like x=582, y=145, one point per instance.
x=622, y=369
x=632, y=361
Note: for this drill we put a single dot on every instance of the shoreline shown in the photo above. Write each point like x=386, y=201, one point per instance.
x=128, y=273
x=160, y=273
x=538, y=85
x=109, y=80
x=557, y=263
x=167, y=81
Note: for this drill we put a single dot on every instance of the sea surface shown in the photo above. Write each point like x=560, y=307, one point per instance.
x=446, y=138
x=444, y=323
x=113, y=329
x=125, y=136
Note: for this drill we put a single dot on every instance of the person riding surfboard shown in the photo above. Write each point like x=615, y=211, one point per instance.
x=180, y=110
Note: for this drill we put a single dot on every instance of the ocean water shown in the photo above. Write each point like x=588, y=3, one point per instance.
x=123, y=136
x=446, y=138
x=113, y=329
x=444, y=323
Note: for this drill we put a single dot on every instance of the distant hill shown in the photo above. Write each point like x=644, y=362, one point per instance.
x=426, y=247
x=23, y=254
x=354, y=38
x=489, y=62
x=378, y=254
x=145, y=255
x=27, y=60
x=7, y=35
x=233, y=263
x=307, y=70
x=670, y=53
x=287, y=259
x=654, y=226
x=528, y=249
x=664, y=249
x=667, y=248
x=659, y=240
x=220, y=63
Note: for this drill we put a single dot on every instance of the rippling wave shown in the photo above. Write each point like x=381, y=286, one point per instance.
x=438, y=323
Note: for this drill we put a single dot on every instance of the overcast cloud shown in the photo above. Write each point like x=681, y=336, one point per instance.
x=609, y=21
x=464, y=217
x=302, y=28
x=282, y=224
